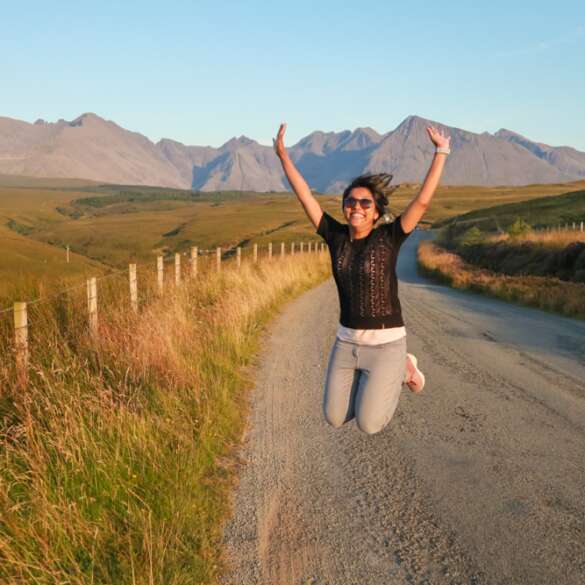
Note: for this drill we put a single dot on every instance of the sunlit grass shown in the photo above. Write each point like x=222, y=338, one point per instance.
x=117, y=458
x=551, y=294
x=555, y=240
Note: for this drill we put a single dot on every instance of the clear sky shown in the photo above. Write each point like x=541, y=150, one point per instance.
x=203, y=71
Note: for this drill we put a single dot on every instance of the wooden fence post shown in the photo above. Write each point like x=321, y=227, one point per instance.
x=581, y=226
x=133, y=287
x=177, y=269
x=239, y=256
x=218, y=258
x=282, y=249
x=269, y=250
x=255, y=253
x=309, y=247
x=68, y=254
x=194, y=256
x=302, y=245
x=160, y=274
x=292, y=248
x=92, y=306
x=21, y=341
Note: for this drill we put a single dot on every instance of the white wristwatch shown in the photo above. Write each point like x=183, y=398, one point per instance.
x=443, y=150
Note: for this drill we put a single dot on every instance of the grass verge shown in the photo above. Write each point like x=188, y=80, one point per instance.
x=554, y=256
x=551, y=294
x=116, y=459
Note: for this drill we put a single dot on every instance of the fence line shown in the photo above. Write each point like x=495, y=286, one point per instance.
x=119, y=271
x=575, y=226
x=20, y=308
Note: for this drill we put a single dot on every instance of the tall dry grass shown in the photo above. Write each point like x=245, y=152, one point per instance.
x=547, y=293
x=555, y=240
x=117, y=458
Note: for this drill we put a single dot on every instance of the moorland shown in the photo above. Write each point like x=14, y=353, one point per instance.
x=108, y=226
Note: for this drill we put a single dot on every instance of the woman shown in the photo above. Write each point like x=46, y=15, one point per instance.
x=368, y=362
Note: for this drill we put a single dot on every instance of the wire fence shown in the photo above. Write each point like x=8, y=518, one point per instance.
x=562, y=227
x=220, y=255
x=77, y=305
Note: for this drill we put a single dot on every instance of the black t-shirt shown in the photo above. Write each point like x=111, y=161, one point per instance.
x=365, y=273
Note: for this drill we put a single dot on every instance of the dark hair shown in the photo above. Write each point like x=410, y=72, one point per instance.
x=378, y=185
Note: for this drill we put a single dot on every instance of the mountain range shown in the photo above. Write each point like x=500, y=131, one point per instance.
x=90, y=147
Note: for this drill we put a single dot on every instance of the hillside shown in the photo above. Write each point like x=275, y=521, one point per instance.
x=538, y=212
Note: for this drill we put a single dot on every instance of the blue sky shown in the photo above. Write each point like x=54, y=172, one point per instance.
x=202, y=72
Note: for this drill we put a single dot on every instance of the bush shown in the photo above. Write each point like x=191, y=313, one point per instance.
x=519, y=228
x=470, y=237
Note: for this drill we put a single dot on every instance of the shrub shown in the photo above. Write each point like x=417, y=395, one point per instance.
x=470, y=237
x=519, y=228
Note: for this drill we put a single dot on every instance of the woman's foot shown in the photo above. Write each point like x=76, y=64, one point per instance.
x=414, y=378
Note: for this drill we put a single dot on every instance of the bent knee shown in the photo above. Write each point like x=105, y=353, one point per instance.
x=371, y=426
x=335, y=421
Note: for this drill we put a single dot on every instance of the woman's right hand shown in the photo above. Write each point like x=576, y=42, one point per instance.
x=278, y=142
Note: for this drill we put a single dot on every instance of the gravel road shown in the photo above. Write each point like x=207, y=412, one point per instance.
x=478, y=480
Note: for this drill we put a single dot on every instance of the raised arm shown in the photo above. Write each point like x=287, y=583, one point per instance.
x=296, y=180
x=418, y=206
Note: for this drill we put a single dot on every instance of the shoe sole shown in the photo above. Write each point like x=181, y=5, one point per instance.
x=417, y=381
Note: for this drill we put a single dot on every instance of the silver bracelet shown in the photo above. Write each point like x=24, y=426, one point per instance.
x=443, y=150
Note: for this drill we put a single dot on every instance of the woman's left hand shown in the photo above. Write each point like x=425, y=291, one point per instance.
x=438, y=138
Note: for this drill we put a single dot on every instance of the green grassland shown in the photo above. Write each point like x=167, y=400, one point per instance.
x=108, y=226
x=454, y=200
x=26, y=261
x=539, y=212
x=502, y=239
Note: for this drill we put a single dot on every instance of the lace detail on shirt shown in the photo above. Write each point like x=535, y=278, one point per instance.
x=364, y=275
x=380, y=295
x=343, y=267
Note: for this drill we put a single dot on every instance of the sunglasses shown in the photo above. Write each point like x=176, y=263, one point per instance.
x=353, y=202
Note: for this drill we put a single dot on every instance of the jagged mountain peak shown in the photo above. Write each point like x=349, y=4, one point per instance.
x=320, y=143
x=85, y=118
x=237, y=142
x=169, y=141
x=107, y=152
x=418, y=124
x=413, y=121
x=360, y=138
x=505, y=133
x=367, y=131
x=537, y=148
x=321, y=136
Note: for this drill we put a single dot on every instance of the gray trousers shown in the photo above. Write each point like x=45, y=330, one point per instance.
x=364, y=382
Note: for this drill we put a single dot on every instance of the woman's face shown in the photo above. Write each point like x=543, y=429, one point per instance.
x=357, y=213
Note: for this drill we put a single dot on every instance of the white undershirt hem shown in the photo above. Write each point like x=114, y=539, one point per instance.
x=370, y=336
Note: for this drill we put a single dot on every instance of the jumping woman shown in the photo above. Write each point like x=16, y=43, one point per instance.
x=368, y=362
